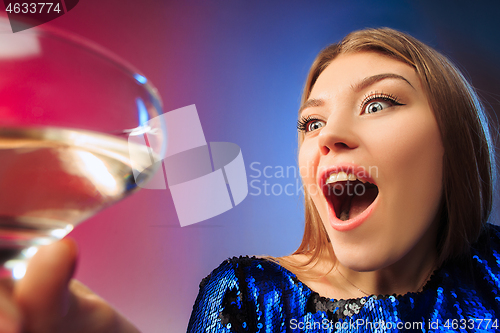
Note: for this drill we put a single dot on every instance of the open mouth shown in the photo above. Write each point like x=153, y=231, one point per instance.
x=350, y=198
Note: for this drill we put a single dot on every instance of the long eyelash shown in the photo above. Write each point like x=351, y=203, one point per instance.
x=376, y=95
x=303, y=121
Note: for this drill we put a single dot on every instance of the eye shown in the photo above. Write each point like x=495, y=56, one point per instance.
x=376, y=106
x=377, y=102
x=309, y=124
x=314, y=125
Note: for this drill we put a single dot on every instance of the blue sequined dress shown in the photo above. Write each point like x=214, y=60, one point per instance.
x=257, y=295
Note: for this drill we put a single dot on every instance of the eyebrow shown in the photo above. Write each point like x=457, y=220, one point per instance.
x=366, y=82
x=311, y=103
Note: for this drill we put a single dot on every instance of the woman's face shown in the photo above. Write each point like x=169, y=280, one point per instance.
x=371, y=160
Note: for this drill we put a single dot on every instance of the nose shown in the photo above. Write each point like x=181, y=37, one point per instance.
x=338, y=134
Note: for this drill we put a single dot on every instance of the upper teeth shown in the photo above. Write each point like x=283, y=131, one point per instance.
x=342, y=176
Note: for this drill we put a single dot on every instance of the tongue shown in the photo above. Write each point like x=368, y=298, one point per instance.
x=360, y=203
x=345, y=208
x=344, y=216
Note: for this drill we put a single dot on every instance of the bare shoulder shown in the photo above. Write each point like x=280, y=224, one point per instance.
x=314, y=274
x=303, y=267
x=299, y=259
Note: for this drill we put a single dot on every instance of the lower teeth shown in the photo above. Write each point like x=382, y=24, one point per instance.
x=344, y=216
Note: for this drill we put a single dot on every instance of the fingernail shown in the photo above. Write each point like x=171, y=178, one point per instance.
x=71, y=244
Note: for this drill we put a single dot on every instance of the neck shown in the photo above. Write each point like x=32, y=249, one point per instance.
x=395, y=279
x=409, y=274
x=331, y=279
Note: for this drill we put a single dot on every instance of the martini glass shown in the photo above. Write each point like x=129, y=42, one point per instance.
x=68, y=111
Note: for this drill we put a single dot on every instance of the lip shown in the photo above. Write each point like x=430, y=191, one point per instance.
x=361, y=173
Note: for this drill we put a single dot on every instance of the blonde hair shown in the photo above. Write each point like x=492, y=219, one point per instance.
x=468, y=162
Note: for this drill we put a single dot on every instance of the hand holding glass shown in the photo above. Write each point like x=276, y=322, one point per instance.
x=67, y=108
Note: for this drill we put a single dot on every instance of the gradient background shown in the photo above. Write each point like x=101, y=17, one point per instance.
x=243, y=64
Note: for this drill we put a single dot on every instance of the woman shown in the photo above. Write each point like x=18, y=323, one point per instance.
x=397, y=166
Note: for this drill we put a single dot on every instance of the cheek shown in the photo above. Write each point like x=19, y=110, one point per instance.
x=418, y=153
x=409, y=142
x=412, y=168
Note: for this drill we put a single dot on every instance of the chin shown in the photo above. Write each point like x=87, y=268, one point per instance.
x=365, y=261
x=359, y=266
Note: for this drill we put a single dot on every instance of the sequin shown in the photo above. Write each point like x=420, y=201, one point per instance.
x=257, y=295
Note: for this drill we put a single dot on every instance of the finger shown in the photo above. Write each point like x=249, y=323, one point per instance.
x=90, y=313
x=43, y=292
x=10, y=316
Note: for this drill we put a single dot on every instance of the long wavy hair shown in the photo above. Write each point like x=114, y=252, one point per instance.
x=468, y=162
